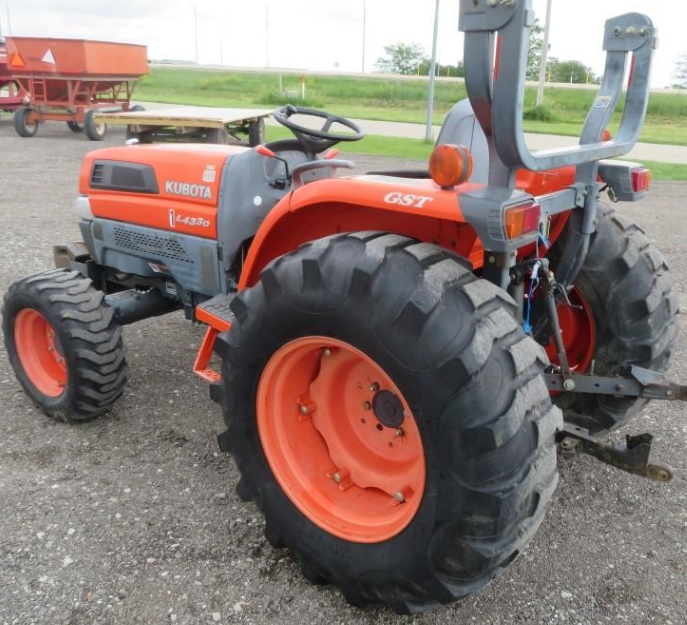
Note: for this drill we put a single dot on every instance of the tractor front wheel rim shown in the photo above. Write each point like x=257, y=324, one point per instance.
x=40, y=352
x=341, y=439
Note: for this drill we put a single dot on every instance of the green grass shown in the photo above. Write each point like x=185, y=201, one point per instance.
x=388, y=99
x=412, y=149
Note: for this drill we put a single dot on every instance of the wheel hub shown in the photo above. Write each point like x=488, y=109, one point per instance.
x=388, y=409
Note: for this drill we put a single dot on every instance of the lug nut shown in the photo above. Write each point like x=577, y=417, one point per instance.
x=374, y=387
x=337, y=478
x=399, y=432
x=400, y=497
x=367, y=405
x=326, y=352
x=569, y=385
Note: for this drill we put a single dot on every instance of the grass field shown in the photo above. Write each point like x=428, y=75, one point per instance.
x=392, y=100
x=413, y=149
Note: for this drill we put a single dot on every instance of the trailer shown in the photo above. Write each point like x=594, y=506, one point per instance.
x=11, y=94
x=191, y=124
x=70, y=80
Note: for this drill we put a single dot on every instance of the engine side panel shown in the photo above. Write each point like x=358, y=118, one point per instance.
x=182, y=196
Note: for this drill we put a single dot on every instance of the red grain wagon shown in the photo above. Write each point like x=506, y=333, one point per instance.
x=11, y=94
x=72, y=79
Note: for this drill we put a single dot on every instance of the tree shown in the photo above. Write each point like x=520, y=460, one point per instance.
x=534, y=57
x=401, y=58
x=680, y=73
x=563, y=71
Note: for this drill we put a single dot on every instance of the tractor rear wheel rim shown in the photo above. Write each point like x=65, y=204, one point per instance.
x=40, y=352
x=346, y=471
x=579, y=333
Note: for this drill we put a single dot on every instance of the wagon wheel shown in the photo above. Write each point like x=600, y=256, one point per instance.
x=95, y=131
x=24, y=127
x=74, y=126
x=256, y=133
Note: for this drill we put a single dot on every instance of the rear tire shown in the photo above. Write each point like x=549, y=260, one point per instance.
x=471, y=378
x=626, y=283
x=87, y=340
x=74, y=126
x=21, y=124
x=94, y=131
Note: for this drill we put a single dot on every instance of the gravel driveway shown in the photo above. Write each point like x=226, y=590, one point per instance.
x=134, y=519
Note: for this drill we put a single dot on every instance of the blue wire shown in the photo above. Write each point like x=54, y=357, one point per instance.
x=534, y=284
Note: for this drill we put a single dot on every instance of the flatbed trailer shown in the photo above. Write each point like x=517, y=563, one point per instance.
x=191, y=124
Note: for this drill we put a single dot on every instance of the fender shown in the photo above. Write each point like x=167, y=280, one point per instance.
x=416, y=208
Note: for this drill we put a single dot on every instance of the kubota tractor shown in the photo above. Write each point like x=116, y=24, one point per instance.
x=401, y=352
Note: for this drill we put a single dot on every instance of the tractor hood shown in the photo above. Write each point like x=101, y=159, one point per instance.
x=172, y=171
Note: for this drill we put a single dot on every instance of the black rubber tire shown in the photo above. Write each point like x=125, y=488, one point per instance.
x=90, y=337
x=627, y=284
x=136, y=108
x=256, y=133
x=23, y=128
x=74, y=126
x=451, y=344
x=217, y=136
x=93, y=130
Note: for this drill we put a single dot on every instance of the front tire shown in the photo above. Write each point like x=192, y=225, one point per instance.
x=22, y=125
x=453, y=354
x=256, y=133
x=64, y=345
x=95, y=131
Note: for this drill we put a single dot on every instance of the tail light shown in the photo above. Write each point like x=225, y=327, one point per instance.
x=641, y=180
x=522, y=220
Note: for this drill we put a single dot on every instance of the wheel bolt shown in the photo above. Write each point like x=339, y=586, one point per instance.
x=374, y=387
x=367, y=405
x=399, y=432
x=337, y=478
x=326, y=352
x=400, y=497
x=304, y=410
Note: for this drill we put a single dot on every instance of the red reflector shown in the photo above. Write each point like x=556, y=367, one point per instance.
x=522, y=220
x=641, y=180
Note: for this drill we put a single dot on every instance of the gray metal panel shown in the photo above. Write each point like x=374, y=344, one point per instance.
x=191, y=261
x=246, y=199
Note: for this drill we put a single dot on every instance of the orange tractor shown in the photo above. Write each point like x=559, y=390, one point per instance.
x=402, y=353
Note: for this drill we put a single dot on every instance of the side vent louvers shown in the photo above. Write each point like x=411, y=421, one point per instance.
x=98, y=174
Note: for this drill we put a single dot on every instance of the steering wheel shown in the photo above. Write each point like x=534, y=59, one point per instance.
x=317, y=141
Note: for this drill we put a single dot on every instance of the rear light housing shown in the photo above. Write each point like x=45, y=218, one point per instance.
x=522, y=220
x=641, y=180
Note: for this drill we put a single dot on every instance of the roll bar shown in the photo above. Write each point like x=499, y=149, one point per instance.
x=495, y=75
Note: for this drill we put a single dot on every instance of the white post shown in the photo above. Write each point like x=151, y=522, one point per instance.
x=432, y=77
x=544, y=55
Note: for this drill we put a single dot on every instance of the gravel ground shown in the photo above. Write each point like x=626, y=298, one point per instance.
x=134, y=519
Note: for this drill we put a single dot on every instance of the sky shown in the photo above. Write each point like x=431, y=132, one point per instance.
x=323, y=35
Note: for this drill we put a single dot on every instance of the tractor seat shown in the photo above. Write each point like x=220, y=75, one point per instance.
x=462, y=128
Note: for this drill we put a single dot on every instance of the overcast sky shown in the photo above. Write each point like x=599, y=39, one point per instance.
x=319, y=34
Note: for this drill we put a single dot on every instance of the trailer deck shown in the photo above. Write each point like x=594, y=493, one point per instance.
x=191, y=124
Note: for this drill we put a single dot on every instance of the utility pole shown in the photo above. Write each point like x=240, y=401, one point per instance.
x=364, y=31
x=432, y=77
x=195, y=20
x=267, y=33
x=544, y=55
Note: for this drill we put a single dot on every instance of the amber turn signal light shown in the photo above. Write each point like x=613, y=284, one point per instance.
x=450, y=165
x=522, y=220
